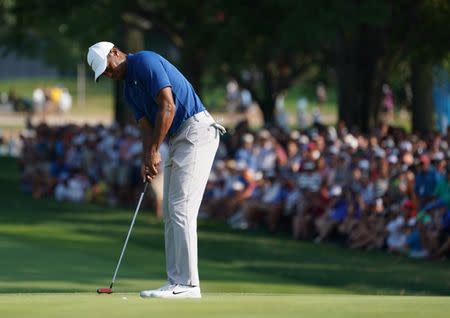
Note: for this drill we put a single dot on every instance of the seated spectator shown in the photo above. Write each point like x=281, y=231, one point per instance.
x=264, y=152
x=414, y=240
x=72, y=188
x=245, y=153
x=267, y=211
x=426, y=180
x=238, y=187
x=310, y=206
x=370, y=232
x=396, y=239
x=338, y=208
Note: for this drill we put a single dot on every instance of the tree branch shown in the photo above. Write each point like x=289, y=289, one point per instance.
x=162, y=24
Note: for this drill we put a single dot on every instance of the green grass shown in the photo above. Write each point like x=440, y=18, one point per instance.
x=54, y=256
x=223, y=305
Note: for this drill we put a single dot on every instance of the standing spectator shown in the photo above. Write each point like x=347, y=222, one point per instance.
x=302, y=113
x=388, y=103
x=38, y=99
x=321, y=93
x=246, y=100
x=232, y=96
x=281, y=116
x=65, y=102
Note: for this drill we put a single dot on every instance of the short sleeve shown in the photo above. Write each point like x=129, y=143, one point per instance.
x=138, y=114
x=153, y=75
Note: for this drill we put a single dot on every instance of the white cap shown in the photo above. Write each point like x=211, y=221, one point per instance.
x=392, y=159
x=248, y=138
x=97, y=57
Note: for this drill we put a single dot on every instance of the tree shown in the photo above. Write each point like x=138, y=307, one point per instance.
x=45, y=28
x=275, y=43
x=55, y=31
x=272, y=43
x=402, y=30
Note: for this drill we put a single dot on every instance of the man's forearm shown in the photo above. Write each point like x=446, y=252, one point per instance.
x=146, y=134
x=163, y=122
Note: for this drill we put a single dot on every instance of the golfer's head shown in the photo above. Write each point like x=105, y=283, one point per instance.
x=106, y=59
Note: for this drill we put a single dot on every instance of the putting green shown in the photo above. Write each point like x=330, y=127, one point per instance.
x=222, y=305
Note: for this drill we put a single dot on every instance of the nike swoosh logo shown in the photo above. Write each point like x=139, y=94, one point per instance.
x=180, y=292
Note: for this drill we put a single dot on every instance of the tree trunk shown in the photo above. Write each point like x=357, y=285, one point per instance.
x=268, y=109
x=267, y=100
x=193, y=69
x=346, y=77
x=422, y=102
x=359, y=80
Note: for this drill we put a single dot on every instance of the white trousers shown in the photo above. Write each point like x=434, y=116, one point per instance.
x=186, y=172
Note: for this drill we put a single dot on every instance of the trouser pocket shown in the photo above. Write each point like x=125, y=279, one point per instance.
x=200, y=133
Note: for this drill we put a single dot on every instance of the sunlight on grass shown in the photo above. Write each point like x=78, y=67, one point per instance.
x=223, y=305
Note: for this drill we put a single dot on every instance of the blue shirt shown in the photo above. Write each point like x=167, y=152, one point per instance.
x=147, y=74
x=426, y=182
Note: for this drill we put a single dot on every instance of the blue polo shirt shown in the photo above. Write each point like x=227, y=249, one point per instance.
x=148, y=73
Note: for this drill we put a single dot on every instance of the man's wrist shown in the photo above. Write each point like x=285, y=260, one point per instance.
x=153, y=149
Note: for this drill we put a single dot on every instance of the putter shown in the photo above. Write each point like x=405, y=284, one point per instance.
x=109, y=290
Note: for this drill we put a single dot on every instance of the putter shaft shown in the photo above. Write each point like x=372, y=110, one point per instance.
x=128, y=235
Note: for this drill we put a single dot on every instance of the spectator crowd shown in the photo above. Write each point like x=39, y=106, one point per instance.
x=89, y=163
x=386, y=190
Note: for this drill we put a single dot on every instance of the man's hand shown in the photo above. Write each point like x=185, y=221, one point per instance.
x=150, y=165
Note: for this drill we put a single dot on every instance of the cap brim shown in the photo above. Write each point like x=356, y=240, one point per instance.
x=100, y=70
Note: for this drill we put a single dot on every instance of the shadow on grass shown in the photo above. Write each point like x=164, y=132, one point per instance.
x=46, y=241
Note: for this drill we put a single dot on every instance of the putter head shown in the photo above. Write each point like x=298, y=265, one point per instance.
x=104, y=291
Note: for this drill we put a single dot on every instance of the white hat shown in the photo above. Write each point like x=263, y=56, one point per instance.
x=97, y=57
x=264, y=134
x=295, y=135
x=393, y=159
x=248, y=138
x=304, y=139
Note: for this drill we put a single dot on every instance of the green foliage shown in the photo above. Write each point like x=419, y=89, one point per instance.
x=278, y=42
x=56, y=31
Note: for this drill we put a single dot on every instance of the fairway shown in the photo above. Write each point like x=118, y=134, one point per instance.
x=55, y=255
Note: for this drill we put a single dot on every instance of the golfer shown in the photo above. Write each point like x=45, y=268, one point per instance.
x=165, y=104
